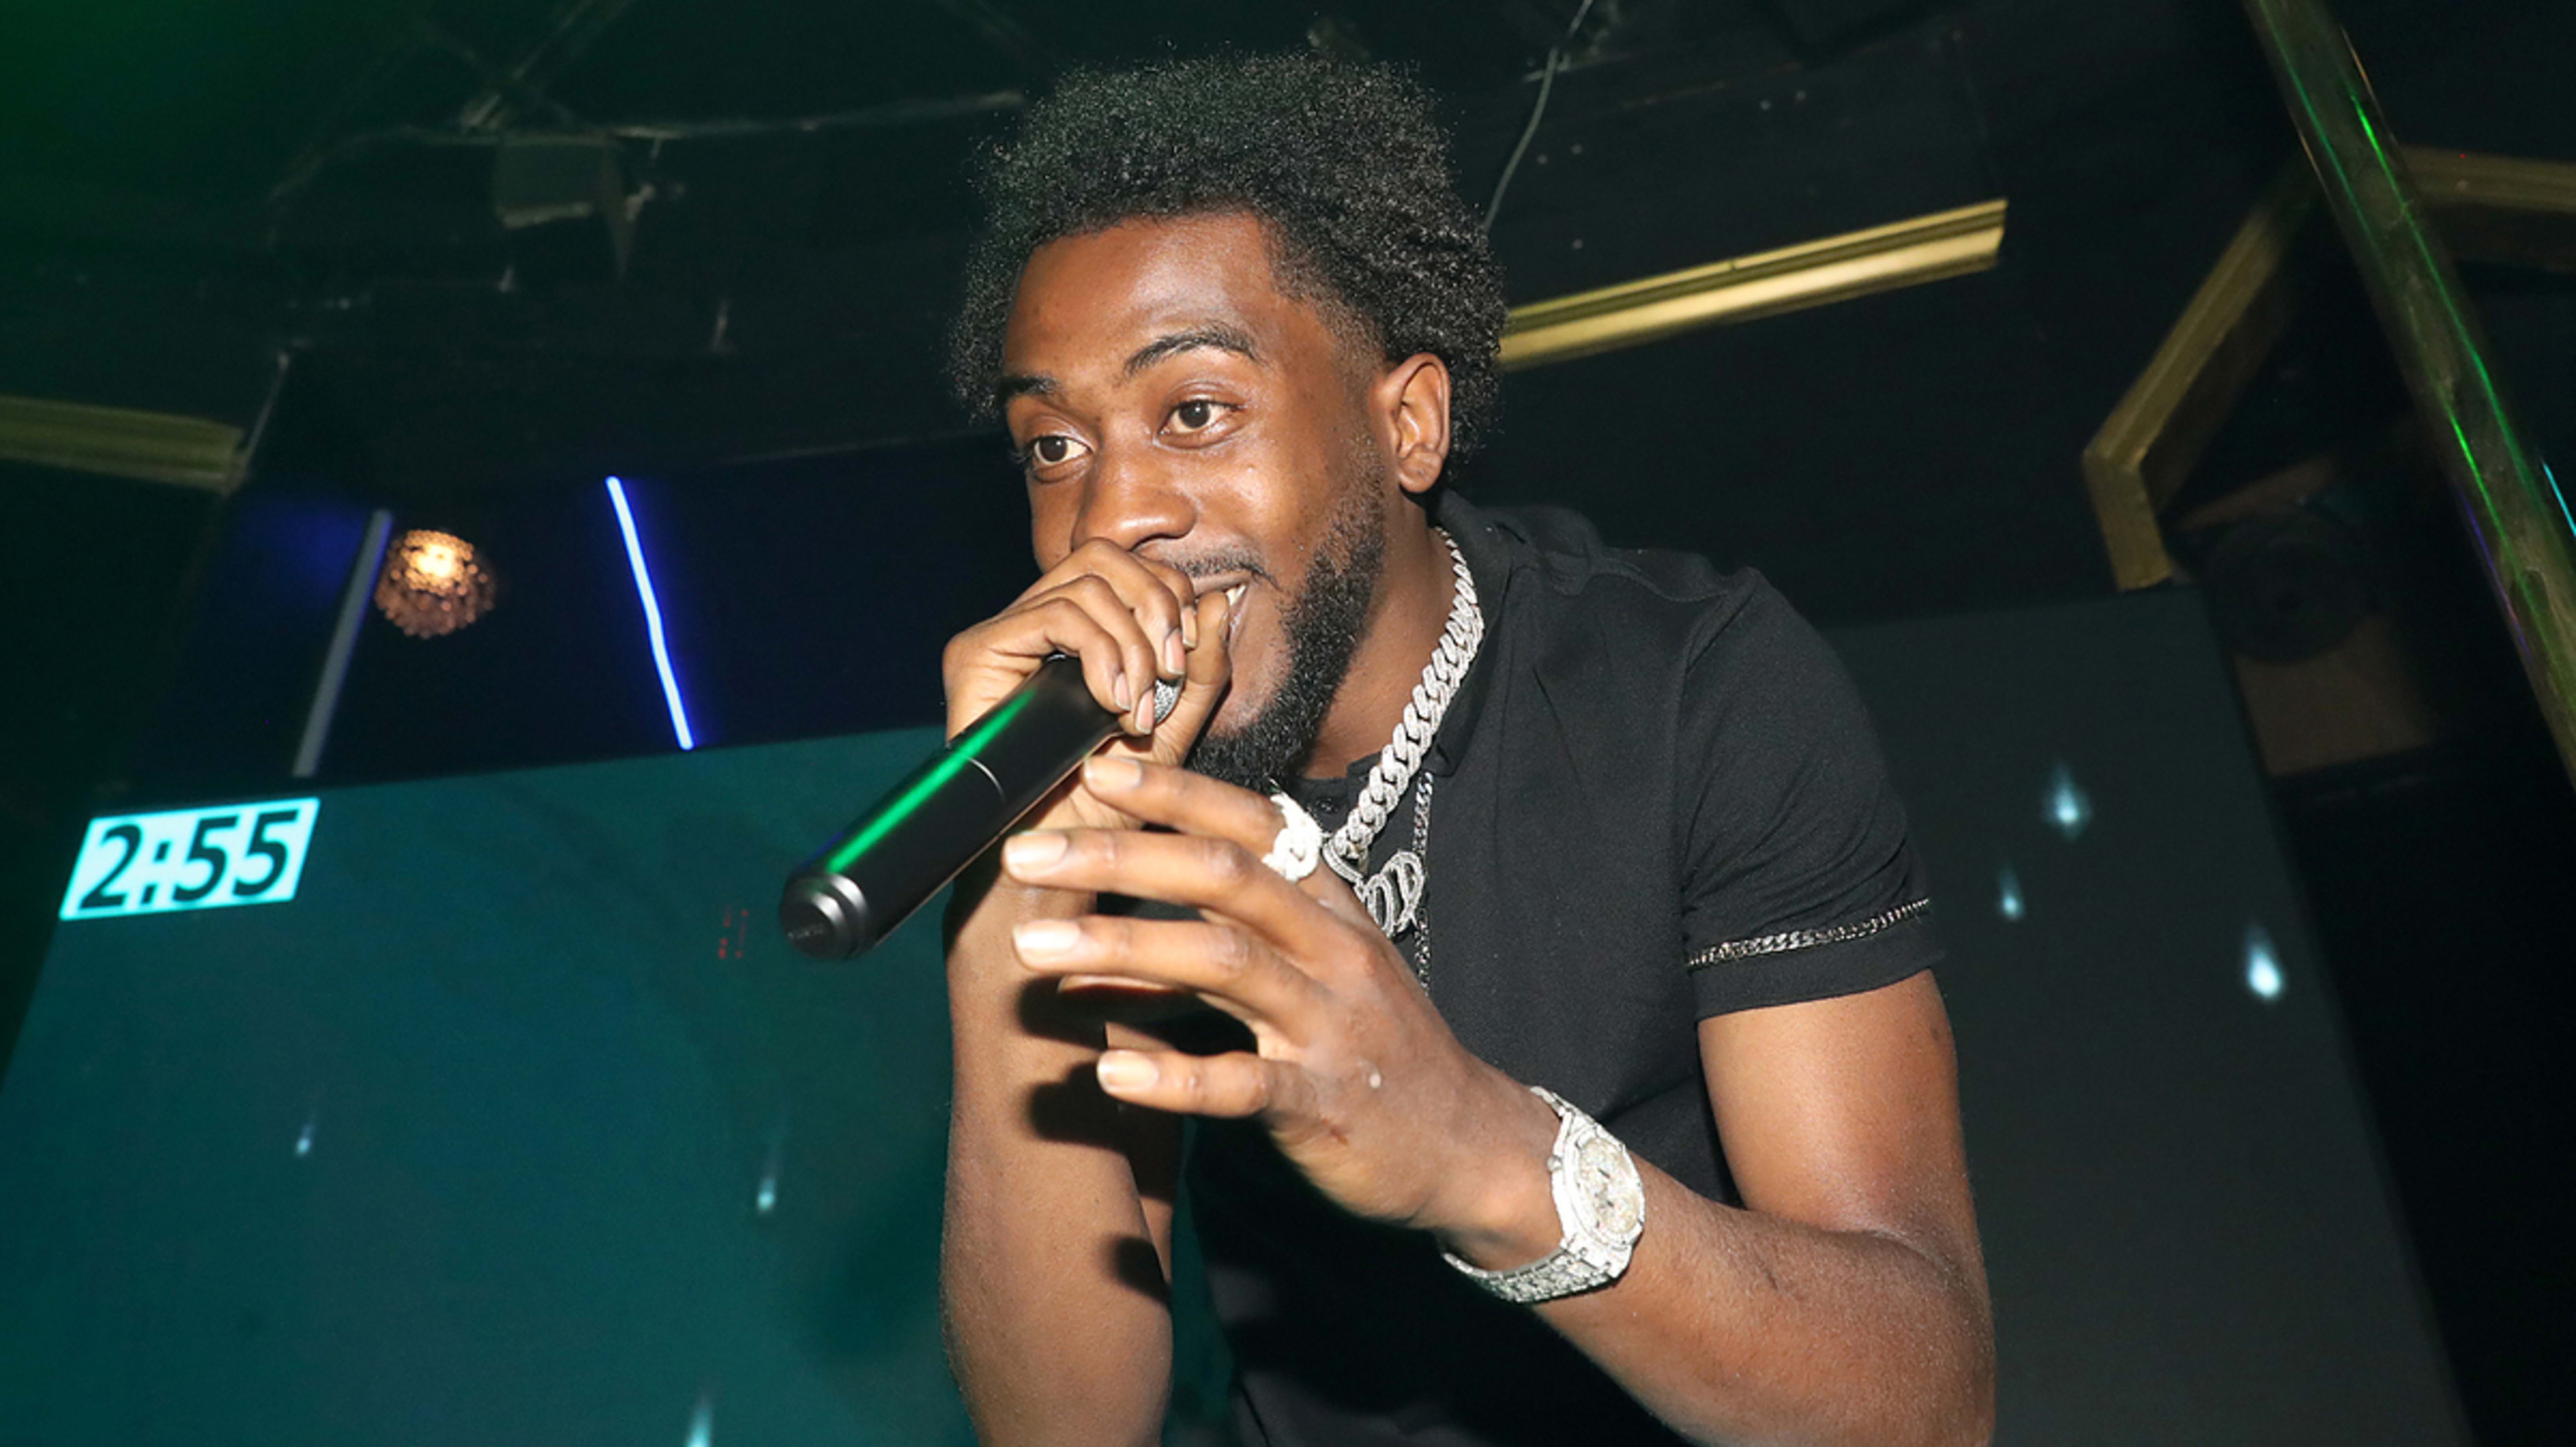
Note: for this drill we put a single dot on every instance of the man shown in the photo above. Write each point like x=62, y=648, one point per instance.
x=1616, y=822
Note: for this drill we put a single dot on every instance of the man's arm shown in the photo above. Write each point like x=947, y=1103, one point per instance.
x=1847, y=1301
x=1846, y=1305
x=1057, y=1242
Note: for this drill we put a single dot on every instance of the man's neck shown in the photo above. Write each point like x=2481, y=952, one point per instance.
x=1411, y=609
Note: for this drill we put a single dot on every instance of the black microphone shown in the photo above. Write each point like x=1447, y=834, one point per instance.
x=906, y=848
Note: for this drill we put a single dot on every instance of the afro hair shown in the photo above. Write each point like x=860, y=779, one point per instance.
x=1344, y=165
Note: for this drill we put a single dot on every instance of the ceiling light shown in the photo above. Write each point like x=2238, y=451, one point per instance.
x=432, y=584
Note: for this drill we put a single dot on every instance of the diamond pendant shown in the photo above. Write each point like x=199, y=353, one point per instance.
x=1393, y=895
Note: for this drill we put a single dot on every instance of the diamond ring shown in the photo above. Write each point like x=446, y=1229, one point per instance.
x=1300, y=845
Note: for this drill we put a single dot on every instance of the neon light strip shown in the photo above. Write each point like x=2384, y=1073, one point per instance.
x=926, y=784
x=652, y=615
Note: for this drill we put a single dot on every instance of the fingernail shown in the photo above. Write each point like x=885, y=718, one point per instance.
x=1190, y=625
x=1046, y=939
x=1126, y=1070
x=1111, y=772
x=1034, y=850
x=1145, y=715
x=1175, y=661
x=1119, y=692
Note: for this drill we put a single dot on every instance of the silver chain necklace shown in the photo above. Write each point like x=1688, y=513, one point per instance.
x=1393, y=894
x=1421, y=940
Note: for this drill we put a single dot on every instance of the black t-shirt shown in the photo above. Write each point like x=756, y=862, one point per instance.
x=1656, y=798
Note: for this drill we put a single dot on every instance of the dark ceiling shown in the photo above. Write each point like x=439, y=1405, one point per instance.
x=147, y=104
x=317, y=179
x=191, y=196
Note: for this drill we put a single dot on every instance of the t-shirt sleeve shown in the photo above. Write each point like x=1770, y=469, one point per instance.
x=1798, y=883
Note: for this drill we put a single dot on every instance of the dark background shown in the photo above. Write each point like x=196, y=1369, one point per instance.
x=188, y=196
x=366, y=1166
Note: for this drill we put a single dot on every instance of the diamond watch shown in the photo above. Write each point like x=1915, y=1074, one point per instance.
x=1600, y=1206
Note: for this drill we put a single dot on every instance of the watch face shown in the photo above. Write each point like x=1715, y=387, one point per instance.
x=1606, y=1184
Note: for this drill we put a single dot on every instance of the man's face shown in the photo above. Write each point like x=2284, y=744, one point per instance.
x=1171, y=398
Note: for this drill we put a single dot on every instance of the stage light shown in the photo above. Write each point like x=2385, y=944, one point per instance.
x=433, y=584
x=2069, y=808
x=2262, y=964
x=2008, y=901
x=652, y=616
x=765, y=1200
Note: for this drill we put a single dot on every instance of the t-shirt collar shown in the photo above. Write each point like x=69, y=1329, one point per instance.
x=1488, y=553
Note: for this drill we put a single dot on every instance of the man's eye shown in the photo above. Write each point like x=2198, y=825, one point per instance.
x=1196, y=415
x=1052, y=449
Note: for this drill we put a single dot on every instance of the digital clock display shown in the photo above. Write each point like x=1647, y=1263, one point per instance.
x=191, y=859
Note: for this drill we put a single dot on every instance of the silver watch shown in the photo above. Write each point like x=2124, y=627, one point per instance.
x=1600, y=1208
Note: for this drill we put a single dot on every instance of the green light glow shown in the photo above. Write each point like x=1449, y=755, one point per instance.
x=912, y=796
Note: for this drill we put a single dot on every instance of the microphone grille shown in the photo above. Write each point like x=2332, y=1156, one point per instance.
x=1167, y=692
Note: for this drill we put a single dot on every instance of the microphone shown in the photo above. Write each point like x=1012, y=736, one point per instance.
x=874, y=874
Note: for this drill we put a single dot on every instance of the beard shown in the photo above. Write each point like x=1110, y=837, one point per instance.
x=1323, y=627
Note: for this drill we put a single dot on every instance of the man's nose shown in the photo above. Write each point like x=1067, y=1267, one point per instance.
x=1132, y=498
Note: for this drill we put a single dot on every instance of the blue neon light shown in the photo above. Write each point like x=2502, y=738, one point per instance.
x=652, y=615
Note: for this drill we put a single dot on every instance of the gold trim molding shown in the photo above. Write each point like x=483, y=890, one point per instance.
x=121, y=442
x=2499, y=208
x=2152, y=439
x=1767, y=283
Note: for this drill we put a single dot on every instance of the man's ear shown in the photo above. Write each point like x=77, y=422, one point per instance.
x=1412, y=404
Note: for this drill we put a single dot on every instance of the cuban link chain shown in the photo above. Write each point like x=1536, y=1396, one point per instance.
x=1393, y=895
x=1422, y=907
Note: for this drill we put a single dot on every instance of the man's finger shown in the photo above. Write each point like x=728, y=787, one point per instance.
x=1126, y=1002
x=1156, y=594
x=1203, y=687
x=1134, y=666
x=1230, y=1085
x=1221, y=964
x=1198, y=870
x=1192, y=803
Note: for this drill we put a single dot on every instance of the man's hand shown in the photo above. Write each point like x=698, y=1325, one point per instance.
x=1131, y=621
x=1355, y=1074
x=1846, y=1305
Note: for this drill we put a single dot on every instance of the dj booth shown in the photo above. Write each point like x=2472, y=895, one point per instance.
x=495, y=1109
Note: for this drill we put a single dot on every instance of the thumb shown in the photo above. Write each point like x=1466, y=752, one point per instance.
x=1203, y=685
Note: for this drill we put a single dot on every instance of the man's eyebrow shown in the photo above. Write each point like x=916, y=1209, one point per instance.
x=1219, y=335
x=1016, y=384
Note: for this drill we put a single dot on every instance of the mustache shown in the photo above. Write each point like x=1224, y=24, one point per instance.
x=1218, y=563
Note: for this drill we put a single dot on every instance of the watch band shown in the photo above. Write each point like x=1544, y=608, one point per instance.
x=1600, y=1211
